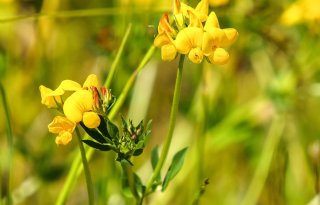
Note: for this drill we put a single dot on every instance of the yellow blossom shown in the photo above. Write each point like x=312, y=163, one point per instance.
x=91, y=81
x=218, y=2
x=79, y=102
x=49, y=97
x=91, y=119
x=63, y=127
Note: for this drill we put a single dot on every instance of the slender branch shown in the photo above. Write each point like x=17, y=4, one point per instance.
x=86, y=169
x=172, y=122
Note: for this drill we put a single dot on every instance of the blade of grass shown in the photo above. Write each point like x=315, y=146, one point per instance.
x=8, y=164
x=117, y=58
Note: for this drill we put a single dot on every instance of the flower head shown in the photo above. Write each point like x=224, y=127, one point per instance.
x=63, y=127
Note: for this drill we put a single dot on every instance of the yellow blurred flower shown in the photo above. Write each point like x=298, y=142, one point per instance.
x=63, y=127
x=218, y=2
x=301, y=11
x=198, y=37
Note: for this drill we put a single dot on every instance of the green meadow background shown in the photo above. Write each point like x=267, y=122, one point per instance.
x=252, y=125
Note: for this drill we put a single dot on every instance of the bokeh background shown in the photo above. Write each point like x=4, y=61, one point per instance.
x=255, y=118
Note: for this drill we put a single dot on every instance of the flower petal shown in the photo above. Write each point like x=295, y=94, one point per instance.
x=91, y=81
x=61, y=124
x=63, y=138
x=78, y=103
x=188, y=38
x=212, y=40
x=212, y=21
x=230, y=37
x=219, y=56
x=48, y=98
x=202, y=10
x=196, y=55
x=162, y=39
x=194, y=19
x=168, y=52
x=69, y=85
x=91, y=119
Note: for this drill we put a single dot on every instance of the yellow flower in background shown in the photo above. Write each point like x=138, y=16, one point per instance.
x=64, y=128
x=301, y=11
x=199, y=36
x=218, y=2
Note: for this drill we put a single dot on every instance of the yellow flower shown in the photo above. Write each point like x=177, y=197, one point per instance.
x=301, y=11
x=164, y=39
x=91, y=81
x=189, y=41
x=63, y=127
x=218, y=2
x=79, y=102
x=201, y=10
x=49, y=97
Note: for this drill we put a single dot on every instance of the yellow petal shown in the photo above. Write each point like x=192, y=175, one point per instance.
x=188, y=38
x=63, y=138
x=230, y=37
x=162, y=39
x=177, y=12
x=202, y=10
x=164, y=25
x=218, y=2
x=78, y=103
x=195, y=55
x=194, y=19
x=212, y=40
x=168, y=52
x=219, y=56
x=212, y=22
x=91, y=119
x=185, y=9
x=69, y=85
x=47, y=97
x=91, y=81
x=61, y=124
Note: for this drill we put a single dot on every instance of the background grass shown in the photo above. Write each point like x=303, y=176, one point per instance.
x=228, y=116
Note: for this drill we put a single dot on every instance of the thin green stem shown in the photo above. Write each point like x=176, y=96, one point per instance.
x=76, y=168
x=172, y=122
x=261, y=173
x=129, y=84
x=117, y=58
x=127, y=169
x=10, y=145
x=86, y=169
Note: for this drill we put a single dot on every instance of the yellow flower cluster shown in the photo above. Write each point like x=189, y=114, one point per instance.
x=301, y=11
x=192, y=32
x=81, y=105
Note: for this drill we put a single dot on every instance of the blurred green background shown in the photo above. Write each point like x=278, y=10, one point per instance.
x=250, y=124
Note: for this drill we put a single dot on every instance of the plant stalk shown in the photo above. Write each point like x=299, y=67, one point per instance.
x=172, y=122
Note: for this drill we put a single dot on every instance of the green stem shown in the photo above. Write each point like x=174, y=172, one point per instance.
x=86, y=169
x=76, y=168
x=172, y=122
x=127, y=169
x=10, y=145
x=262, y=170
x=117, y=58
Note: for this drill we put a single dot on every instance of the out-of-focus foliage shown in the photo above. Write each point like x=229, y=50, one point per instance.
x=250, y=119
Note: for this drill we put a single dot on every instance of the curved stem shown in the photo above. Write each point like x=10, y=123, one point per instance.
x=261, y=173
x=172, y=123
x=86, y=169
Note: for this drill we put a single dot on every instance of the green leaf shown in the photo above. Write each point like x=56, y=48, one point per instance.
x=103, y=127
x=147, y=133
x=93, y=133
x=137, y=152
x=112, y=130
x=175, y=167
x=102, y=147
